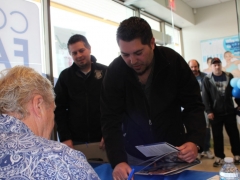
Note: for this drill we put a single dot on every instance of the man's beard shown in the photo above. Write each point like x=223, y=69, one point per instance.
x=195, y=72
x=146, y=69
x=84, y=66
x=142, y=72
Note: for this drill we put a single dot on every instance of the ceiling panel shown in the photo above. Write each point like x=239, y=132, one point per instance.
x=203, y=3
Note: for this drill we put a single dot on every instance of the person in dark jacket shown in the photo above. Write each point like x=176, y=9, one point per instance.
x=217, y=98
x=195, y=67
x=77, y=90
x=141, y=99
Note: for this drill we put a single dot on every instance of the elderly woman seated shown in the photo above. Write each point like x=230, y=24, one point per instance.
x=26, y=121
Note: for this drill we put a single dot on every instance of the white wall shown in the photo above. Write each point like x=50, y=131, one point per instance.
x=185, y=11
x=183, y=14
x=211, y=22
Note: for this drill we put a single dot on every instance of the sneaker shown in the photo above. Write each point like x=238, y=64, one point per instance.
x=218, y=162
x=237, y=160
x=203, y=154
x=209, y=154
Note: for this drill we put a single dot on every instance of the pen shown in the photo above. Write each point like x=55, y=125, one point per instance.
x=131, y=174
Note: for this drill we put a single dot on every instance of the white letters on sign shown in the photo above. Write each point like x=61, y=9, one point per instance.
x=19, y=34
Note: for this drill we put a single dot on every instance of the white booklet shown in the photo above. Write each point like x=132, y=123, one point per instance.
x=157, y=149
x=164, y=160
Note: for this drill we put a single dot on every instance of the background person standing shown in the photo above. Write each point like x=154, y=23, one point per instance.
x=217, y=98
x=77, y=90
x=195, y=67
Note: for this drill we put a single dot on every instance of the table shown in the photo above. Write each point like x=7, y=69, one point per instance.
x=104, y=171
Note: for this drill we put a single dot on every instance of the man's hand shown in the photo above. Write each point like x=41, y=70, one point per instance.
x=188, y=152
x=102, y=144
x=121, y=171
x=210, y=116
x=69, y=143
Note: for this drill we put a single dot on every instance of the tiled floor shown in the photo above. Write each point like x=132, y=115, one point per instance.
x=207, y=164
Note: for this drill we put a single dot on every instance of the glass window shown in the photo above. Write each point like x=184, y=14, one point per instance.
x=105, y=9
x=99, y=26
x=176, y=38
x=153, y=23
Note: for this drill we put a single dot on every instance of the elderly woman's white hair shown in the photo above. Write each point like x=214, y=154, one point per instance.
x=18, y=86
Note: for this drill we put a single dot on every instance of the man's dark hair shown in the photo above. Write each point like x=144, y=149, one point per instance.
x=76, y=38
x=134, y=27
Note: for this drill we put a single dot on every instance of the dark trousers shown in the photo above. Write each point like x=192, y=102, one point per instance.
x=230, y=123
x=207, y=140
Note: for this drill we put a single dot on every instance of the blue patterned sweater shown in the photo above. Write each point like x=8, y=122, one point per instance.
x=25, y=156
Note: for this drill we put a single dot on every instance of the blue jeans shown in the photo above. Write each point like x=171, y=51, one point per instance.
x=207, y=135
x=207, y=140
x=230, y=123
